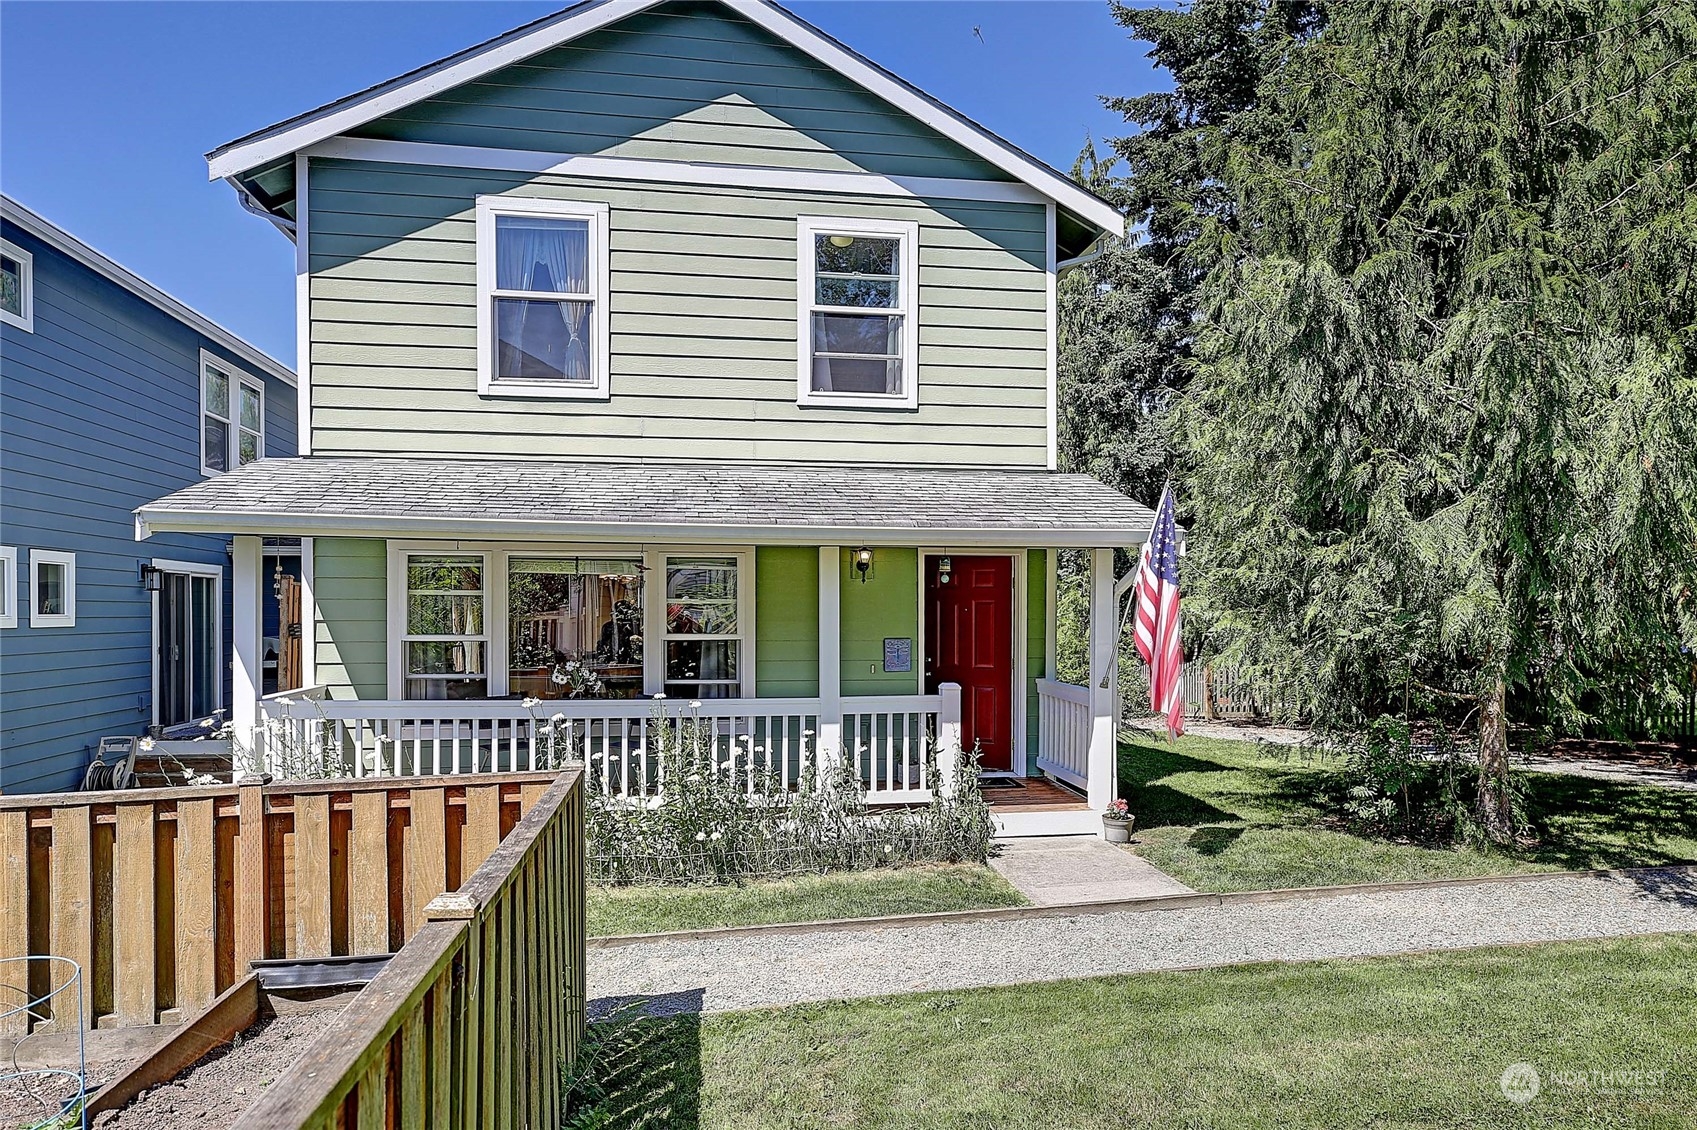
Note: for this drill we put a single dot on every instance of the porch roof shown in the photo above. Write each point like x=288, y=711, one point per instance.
x=716, y=502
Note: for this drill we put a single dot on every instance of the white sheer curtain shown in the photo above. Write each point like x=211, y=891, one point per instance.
x=538, y=338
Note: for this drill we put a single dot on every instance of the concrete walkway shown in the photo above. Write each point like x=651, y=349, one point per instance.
x=1056, y=870
x=753, y=970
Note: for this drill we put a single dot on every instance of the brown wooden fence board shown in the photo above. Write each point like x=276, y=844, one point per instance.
x=163, y=896
x=133, y=913
x=471, y=1020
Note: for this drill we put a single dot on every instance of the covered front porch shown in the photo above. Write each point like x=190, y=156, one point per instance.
x=815, y=638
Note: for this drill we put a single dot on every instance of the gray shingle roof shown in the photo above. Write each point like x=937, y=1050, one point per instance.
x=765, y=502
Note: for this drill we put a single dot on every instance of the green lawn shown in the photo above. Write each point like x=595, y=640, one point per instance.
x=1385, y=1042
x=858, y=894
x=1239, y=816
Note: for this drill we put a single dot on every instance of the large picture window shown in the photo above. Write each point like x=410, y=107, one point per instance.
x=858, y=294
x=704, y=627
x=542, y=297
x=574, y=626
x=232, y=417
x=445, y=649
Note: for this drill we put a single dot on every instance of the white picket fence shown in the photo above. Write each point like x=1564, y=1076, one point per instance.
x=900, y=747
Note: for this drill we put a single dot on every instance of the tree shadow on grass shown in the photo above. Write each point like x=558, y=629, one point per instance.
x=640, y=1066
x=1584, y=823
x=1214, y=840
x=1160, y=806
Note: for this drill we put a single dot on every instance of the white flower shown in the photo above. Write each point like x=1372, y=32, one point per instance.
x=888, y=849
x=807, y=733
x=696, y=705
x=659, y=696
x=383, y=739
x=700, y=836
x=284, y=701
x=559, y=716
x=145, y=744
x=558, y=678
x=717, y=836
x=531, y=703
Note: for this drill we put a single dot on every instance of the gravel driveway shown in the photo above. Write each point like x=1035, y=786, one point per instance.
x=753, y=970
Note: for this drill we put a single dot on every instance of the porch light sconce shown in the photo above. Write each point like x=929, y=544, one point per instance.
x=944, y=568
x=863, y=562
x=152, y=577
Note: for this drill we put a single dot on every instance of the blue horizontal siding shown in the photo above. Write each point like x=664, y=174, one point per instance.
x=99, y=413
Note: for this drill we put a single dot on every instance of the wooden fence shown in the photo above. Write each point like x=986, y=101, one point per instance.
x=473, y=1020
x=163, y=896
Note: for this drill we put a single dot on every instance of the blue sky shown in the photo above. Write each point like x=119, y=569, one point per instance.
x=106, y=109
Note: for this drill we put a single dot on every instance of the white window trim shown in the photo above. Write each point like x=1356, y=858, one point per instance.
x=239, y=379
x=25, y=319
x=654, y=659
x=38, y=558
x=9, y=598
x=196, y=569
x=495, y=673
x=600, y=359
x=907, y=234
x=497, y=561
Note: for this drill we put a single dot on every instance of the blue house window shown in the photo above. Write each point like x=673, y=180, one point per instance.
x=17, y=287
x=232, y=417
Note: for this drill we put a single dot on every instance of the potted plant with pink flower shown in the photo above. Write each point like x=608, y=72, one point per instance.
x=1117, y=822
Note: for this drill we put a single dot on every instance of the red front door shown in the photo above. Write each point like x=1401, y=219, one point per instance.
x=969, y=640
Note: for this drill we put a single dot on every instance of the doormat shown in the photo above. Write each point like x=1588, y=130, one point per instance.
x=987, y=783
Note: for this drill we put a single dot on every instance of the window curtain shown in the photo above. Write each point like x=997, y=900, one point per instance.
x=550, y=257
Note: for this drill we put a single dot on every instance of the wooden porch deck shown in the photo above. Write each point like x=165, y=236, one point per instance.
x=1034, y=794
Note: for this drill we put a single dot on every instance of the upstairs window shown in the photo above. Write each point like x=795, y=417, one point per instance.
x=858, y=296
x=17, y=287
x=232, y=417
x=542, y=297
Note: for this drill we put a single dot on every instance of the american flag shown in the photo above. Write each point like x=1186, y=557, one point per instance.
x=1159, y=640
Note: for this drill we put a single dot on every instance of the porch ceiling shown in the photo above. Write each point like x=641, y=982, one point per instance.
x=712, y=502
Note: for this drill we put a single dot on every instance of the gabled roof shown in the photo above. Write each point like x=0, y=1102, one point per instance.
x=720, y=502
x=266, y=146
x=57, y=237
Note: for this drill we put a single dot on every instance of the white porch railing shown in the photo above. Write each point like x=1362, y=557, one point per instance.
x=1063, y=731
x=900, y=747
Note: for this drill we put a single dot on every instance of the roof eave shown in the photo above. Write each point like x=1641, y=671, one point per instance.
x=153, y=520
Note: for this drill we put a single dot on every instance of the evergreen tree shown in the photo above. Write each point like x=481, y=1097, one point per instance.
x=1440, y=438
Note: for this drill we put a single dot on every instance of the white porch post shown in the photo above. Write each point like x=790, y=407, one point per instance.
x=247, y=671
x=949, y=731
x=830, y=735
x=1104, y=643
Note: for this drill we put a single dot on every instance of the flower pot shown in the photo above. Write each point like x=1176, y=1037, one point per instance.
x=1117, y=831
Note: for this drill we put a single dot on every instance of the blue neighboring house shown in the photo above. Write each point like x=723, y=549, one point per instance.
x=113, y=393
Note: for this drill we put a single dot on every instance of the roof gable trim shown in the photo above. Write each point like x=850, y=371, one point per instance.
x=357, y=110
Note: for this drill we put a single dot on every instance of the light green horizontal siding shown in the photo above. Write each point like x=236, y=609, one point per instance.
x=786, y=621
x=1036, y=643
x=350, y=588
x=703, y=321
x=885, y=605
x=691, y=82
x=703, y=301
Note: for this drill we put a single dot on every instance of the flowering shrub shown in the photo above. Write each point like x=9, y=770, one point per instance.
x=713, y=826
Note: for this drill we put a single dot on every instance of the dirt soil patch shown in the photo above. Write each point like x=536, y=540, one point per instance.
x=225, y=1082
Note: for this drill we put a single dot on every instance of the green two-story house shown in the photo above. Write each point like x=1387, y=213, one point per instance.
x=673, y=348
